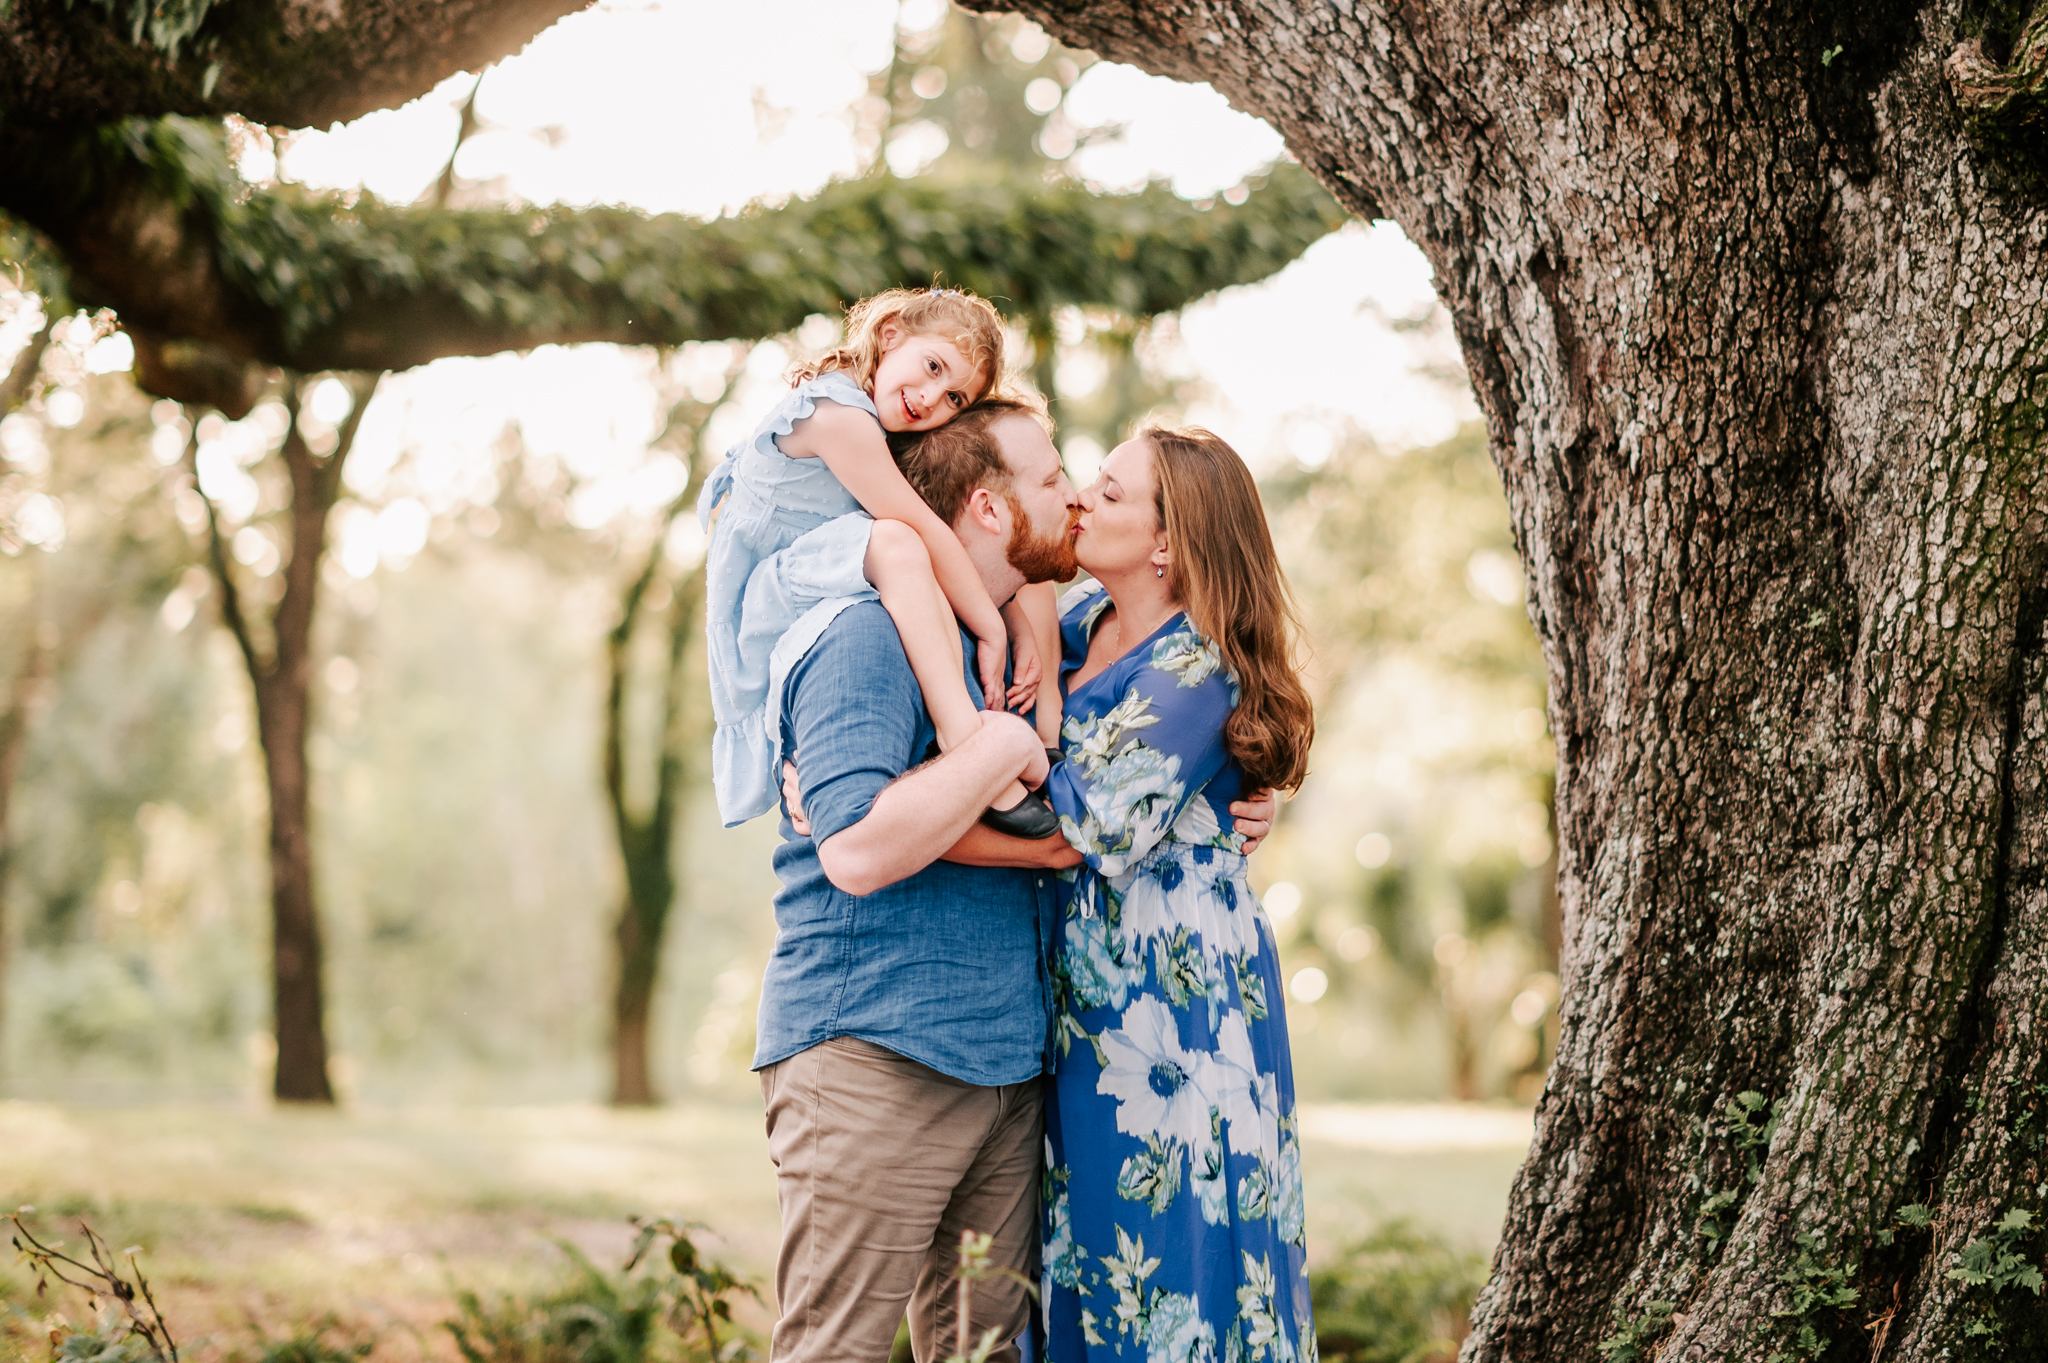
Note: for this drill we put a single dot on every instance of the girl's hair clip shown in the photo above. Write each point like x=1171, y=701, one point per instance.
x=945, y=293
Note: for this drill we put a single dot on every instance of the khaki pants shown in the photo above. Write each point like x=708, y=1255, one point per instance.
x=880, y=1164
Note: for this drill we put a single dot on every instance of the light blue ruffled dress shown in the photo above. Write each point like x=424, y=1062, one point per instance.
x=787, y=552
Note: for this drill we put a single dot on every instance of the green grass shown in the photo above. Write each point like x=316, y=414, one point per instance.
x=336, y=1228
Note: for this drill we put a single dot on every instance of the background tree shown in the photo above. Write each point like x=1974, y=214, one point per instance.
x=667, y=751
x=86, y=542
x=1752, y=298
x=277, y=649
x=1419, y=853
x=216, y=279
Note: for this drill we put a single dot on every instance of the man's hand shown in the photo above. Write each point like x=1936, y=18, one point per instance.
x=1254, y=818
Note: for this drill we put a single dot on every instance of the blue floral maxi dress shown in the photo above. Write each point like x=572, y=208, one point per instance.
x=1172, y=1213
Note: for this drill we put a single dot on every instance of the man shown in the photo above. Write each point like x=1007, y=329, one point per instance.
x=906, y=1004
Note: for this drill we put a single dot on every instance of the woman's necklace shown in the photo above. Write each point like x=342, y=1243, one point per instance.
x=1118, y=625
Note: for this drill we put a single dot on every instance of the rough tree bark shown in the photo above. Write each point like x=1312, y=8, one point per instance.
x=295, y=63
x=1752, y=295
x=281, y=676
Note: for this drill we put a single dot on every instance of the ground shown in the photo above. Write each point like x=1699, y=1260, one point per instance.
x=378, y=1215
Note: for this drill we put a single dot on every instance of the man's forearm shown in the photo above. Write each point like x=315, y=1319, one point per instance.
x=915, y=819
x=981, y=845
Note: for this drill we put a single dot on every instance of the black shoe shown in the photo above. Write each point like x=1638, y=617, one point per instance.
x=1055, y=756
x=1031, y=817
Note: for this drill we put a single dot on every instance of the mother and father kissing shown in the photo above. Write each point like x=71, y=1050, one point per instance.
x=1017, y=989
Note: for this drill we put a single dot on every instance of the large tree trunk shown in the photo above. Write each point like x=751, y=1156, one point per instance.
x=1755, y=313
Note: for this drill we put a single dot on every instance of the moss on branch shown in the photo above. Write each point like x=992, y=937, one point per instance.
x=316, y=281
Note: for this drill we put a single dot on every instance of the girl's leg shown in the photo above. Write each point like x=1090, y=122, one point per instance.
x=900, y=569
x=1040, y=602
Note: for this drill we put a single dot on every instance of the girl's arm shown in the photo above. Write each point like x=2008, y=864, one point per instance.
x=852, y=446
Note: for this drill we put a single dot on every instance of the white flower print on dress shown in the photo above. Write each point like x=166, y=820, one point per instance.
x=1187, y=657
x=1289, y=1213
x=1248, y=1100
x=1161, y=1088
x=1258, y=1335
x=1098, y=964
x=1176, y=1333
x=1062, y=1258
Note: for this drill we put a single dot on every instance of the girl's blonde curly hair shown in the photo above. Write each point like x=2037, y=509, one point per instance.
x=969, y=322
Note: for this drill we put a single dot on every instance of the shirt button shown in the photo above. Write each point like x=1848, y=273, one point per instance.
x=1041, y=882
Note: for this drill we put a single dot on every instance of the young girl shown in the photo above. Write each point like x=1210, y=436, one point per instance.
x=789, y=547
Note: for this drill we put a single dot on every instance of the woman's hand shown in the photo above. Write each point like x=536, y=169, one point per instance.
x=793, y=800
x=1254, y=818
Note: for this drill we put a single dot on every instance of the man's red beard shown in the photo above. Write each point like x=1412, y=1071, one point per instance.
x=1041, y=558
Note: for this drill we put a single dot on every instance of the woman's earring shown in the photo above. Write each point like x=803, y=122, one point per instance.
x=1159, y=572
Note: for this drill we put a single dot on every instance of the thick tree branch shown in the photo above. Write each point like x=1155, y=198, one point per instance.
x=170, y=240
x=301, y=63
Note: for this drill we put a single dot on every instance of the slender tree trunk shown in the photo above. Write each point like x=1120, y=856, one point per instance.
x=650, y=843
x=650, y=837
x=1753, y=298
x=282, y=680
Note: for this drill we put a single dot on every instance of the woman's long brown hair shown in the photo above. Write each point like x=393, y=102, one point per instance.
x=1223, y=571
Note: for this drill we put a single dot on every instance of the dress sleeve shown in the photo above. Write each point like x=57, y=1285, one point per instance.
x=1131, y=771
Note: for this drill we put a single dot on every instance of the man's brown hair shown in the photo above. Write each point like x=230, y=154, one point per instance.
x=947, y=464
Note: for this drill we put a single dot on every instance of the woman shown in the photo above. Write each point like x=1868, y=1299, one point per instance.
x=1173, y=1203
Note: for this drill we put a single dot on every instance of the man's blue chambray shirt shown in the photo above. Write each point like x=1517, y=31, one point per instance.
x=950, y=967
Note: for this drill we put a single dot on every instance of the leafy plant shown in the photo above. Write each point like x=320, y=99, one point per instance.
x=701, y=1293
x=975, y=1268
x=1400, y=1295
x=1716, y=1215
x=313, y=1345
x=598, y=1317
x=1752, y=1123
x=1997, y=1261
x=130, y=1326
x=1818, y=1286
x=1912, y=1216
x=1639, y=1334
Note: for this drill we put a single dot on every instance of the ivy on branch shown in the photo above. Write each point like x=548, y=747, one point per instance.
x=166, y=234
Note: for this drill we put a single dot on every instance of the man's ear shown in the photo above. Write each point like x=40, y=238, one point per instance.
x=984, y=511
